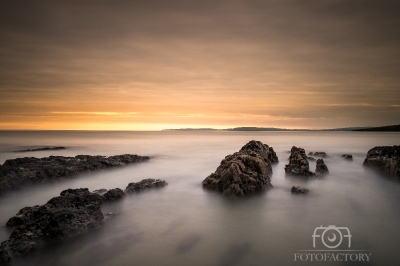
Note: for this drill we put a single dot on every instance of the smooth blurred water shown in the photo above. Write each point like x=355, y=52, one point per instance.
x=182, y=224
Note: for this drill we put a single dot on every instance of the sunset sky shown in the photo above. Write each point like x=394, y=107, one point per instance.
x=150, y=65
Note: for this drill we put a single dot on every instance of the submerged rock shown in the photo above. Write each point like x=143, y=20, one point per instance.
x=310, y=158
x=244, y=172
x=20, y=172
x=73, y=213
x=320, y=154
x=298, y=163
x=385, y=159
x=299, y=190
x=348, y=157
x=321, y=168
x=145, y=184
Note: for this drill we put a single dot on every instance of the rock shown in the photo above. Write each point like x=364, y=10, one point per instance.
x=299, y=190
x=385, y=159
x=101, y=191
x=244, y=172
x=72, y=213
x=310, y=153
x=321, y=168
x=114, y=194
x=4, y=257
x=320, y=154
x=43, y=149
x=298, y=163
x=20, y=172
x=145, y=184
x=348, y=157
x=310, y=158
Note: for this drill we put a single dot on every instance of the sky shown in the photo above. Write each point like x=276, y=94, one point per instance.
x=152, y=65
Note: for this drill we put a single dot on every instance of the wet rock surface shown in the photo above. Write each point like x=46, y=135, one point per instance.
x=73, y=213
x=4, y=257
x=299, y=190
x=298, y=163
x=245, y=171
x=20, y=172
x=347, y=157
x=321, y=168
x=145, y=184
x=318, y=153
x=385, y=159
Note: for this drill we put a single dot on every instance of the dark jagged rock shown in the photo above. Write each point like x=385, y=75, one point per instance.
x=310, y=158
x=145, y=184
x=20, y=172
x=299, y=190
x=244, y=172
x=385, y=159
x=298, y=163
x=73, y=213
x=321, y=168
x=348, y=157
x=4, y=257
x=43, y=149
x=114, y=194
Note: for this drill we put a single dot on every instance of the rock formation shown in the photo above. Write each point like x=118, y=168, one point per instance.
x=245, y=171
x=73, y=213
x=20, y=172
x=321, y=168
x=299, y=190
x=298, y=163
x=145, y=184
x=385, y=159
x=4, y=257
x=348, y=157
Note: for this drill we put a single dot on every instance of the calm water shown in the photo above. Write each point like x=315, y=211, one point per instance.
x=183, y=224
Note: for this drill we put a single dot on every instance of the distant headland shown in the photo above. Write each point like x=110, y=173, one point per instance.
x=391, y=128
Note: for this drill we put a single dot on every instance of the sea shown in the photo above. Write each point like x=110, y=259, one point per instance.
x=350, y=216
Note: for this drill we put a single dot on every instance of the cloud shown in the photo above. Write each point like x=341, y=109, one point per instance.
x=274, y=58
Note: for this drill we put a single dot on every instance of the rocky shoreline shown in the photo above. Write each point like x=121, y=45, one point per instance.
x=73, y=213
x=20, y=172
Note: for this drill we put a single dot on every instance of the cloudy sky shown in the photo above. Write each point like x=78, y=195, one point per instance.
x=149, y=65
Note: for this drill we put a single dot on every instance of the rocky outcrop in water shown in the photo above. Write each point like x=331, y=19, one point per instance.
x=298, y=163
x=73, y=213
x=4, y=257
x=145, y=184
x=385, y=159
x=318, y=153
x=20, y=172
x=43, y=149
x=321, y=168
x=299, y=190
x=245, y=171
x=347, y=157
